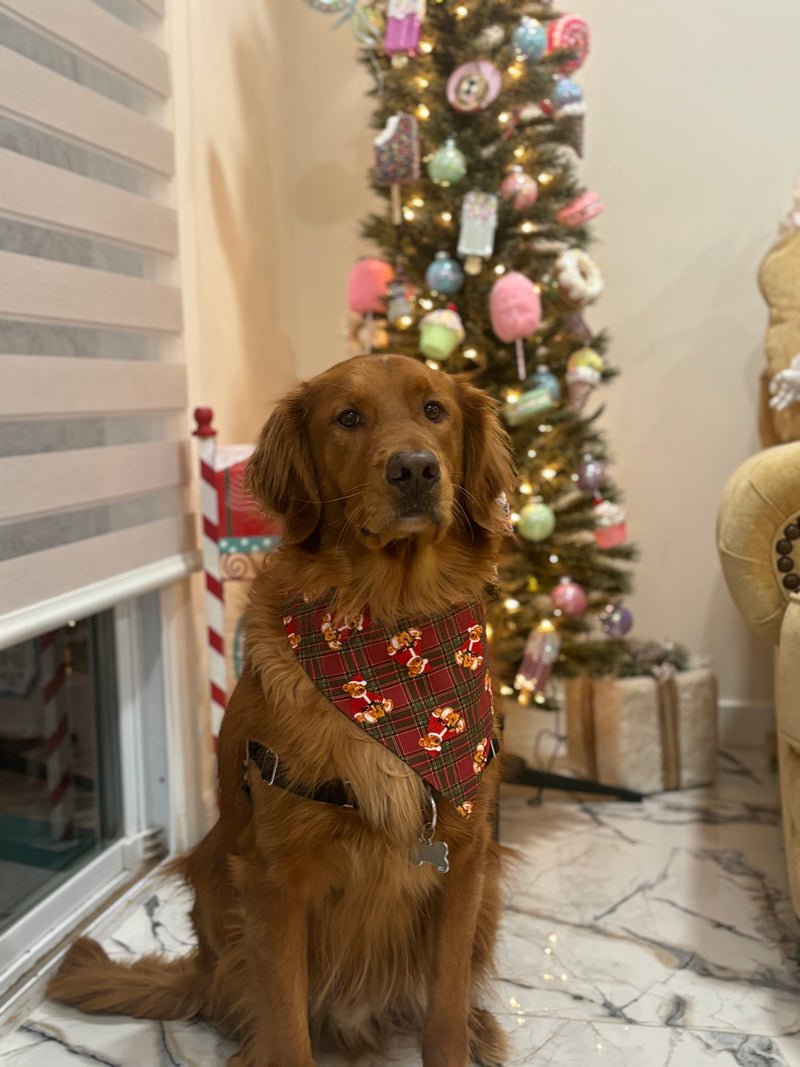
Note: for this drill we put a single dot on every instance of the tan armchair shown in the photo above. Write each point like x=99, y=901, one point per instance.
x=758, y=537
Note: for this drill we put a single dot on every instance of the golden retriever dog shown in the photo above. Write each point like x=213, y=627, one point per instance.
x=324, y=913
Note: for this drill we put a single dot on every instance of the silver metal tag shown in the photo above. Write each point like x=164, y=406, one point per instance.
x=426, y=849
x=433, y=852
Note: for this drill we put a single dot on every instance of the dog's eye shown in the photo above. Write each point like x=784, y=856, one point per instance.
x=434, y=411
x=349, y=419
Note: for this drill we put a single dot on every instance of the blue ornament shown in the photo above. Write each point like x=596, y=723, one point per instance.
x=566, y=96
x=529, y=39
x=444, y=275
x=543, y=378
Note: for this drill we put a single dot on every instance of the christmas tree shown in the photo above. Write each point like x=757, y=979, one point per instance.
x=484, y=270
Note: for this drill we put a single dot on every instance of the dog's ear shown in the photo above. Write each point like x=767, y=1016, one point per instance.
x=488, y=469
x=280, y=473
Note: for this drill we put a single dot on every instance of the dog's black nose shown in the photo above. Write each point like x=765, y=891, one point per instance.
x=413, y=472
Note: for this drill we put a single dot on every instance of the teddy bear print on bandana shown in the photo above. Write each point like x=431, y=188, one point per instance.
x=421, y=688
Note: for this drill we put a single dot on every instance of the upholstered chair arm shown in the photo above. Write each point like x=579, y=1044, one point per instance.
x=758, y=536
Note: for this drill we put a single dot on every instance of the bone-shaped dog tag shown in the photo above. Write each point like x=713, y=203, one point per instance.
x=433, y=852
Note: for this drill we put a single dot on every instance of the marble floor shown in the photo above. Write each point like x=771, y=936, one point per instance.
x=651, y=935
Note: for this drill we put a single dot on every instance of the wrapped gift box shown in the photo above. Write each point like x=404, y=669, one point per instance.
x=644, y=733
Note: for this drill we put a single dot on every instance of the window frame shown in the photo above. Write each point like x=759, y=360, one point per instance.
x=164, y=760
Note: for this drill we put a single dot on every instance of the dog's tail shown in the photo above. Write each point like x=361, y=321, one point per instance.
x=150, y=988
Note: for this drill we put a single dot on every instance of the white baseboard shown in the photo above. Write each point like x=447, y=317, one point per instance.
x=742, y=723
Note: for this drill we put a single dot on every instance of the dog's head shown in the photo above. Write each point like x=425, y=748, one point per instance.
x=380, y=449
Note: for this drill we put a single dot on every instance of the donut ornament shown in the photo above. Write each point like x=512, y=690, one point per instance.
x=579, y=279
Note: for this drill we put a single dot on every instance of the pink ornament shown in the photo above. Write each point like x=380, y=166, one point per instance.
x=516, y=311
x=580, y=211
x=570, y=32
x=520, y=188
x=474, y=85
x=366, y=288
x=611, y=529
x=403, y=26
x=569, y=598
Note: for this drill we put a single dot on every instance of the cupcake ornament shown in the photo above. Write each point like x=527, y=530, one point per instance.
x=440, y=333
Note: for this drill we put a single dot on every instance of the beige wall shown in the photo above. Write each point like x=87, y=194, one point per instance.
x=692, y=144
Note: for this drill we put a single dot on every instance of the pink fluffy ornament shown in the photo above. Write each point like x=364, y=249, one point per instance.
x=569, y=598
x=520, y=188
x=367, y=289
x=516, y=311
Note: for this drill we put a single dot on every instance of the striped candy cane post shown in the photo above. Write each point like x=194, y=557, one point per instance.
x=58, y=760
x=207, y=449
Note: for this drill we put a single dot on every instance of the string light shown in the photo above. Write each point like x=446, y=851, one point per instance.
x=423, y=83
x=544, y=178
x=526, y=488
x=499, y=269
x=511, y=604
x=549, y=473
x=417, y=201
x=404, y=322
x=423, y=111
x=432, y=364
x=515, y=71
x=426, y=47
x=408, y=214
x=553, y=558
x=512, y=397
x=446, y=216
x=470, y=353
x=462, y=12
x=504, y=116
x=520, y=151
x=426, y=305
x=531, y=453
x=545, y=624
x=527, y=227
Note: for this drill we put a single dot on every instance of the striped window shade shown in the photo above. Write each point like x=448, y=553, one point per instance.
x=95, y=459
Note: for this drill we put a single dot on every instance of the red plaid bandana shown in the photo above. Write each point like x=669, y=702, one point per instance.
x=421, y=688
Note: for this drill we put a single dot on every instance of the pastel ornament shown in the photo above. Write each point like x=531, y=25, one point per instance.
x=569, y=108
x=440, y=333
x=520, y=188
x=444, y=275
x=474, y=85
x=543, y=378
x=570, y=33
x=478, y=228
x=578, y=277
x=529, y=39
x=397, y=157
x=610, y=526
x=584, y=373
x=403, y=26
x=541, y=653
x=591, y=476
x=515, y=309
x=536, y=521
x=615, y=620
x=569, y=598
x=527, y=406
x=448, y=164
x=579, y=211
x=367, y=290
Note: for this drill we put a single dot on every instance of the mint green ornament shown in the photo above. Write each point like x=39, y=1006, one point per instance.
x=448, y=164
x=536, y=521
